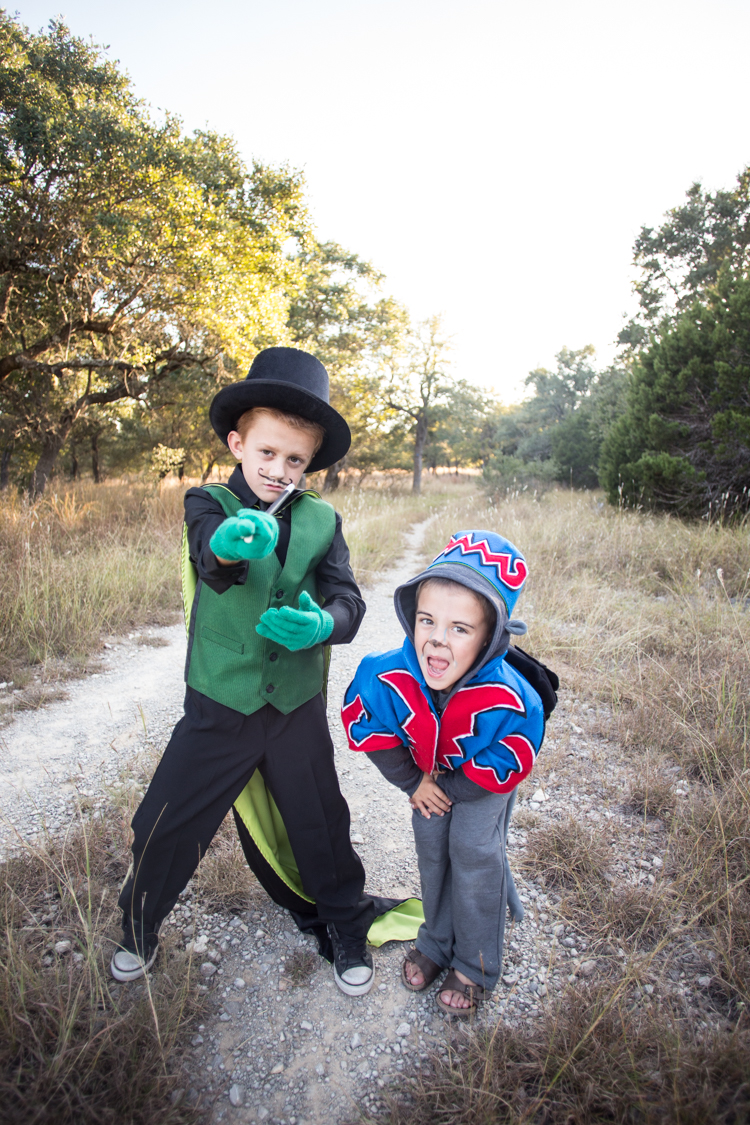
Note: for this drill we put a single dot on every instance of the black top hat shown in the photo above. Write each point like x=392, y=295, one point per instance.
x=293, y=381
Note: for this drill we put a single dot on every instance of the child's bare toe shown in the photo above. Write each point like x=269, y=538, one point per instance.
x=414, y=974
x=454, y=999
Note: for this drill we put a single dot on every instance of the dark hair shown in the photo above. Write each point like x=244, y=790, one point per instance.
x=488, y=610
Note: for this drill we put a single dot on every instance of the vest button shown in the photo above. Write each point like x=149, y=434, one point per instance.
x=269, y=688
x=279, y=593
x=274, y=656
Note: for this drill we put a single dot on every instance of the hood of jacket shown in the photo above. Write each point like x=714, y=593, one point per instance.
x=485, y=563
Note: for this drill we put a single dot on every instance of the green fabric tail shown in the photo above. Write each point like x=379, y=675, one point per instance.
x=263, y=821
x=400, y=924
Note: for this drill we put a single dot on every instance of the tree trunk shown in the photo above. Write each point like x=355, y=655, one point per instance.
x=419, y=439
x=73, y=461
x=95, y=465
x=332, y=481
x=207, y=471
x=5, y=465
x=51, y=446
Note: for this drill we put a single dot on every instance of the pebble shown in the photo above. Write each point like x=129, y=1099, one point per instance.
x=355, y=1041
x=403, y=1030
x=207, y=969
x=62, y=947
x=306, y=1025
x=357, y=838
x=239, y=982
x=236, y=1095
x=587, y=968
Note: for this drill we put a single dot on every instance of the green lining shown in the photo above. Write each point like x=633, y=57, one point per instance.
x=263, y=821
x=399, y=924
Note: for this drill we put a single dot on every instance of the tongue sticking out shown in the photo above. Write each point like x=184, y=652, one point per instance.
x=437, y=665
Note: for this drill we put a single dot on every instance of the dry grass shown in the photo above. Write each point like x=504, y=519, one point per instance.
x=631, y=917
x=83, y=562
x=223, y=880
x=90, y=560
x=301, y=966
x=376, y=519
x=600, y=1056
x=75, y=1048
x=566, y=855
x=651, y=791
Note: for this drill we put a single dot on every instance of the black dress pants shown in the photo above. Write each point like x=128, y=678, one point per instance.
x=209, y=760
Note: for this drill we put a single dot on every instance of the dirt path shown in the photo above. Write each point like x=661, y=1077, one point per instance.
x=73, y=749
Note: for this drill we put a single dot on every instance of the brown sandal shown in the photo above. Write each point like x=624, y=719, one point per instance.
x=426, y=966
x=475, y=993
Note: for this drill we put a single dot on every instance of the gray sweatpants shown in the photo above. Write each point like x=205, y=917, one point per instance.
x=462, y=867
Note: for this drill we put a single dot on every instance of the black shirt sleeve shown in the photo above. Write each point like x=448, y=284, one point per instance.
x=458, y=787
x=203, y=515
x=339, y=590
x=397, y=766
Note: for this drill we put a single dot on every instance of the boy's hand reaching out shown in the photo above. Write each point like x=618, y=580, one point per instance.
x=296, y=628
x=250, y=534
x=429, y=798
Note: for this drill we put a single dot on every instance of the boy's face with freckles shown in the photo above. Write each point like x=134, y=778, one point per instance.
x=272, y=453
x=450, y=631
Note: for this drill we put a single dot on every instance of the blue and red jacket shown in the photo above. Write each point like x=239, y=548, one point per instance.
x=492, y=726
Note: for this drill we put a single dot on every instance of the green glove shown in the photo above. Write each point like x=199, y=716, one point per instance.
x=229, y=539
x=296, y=628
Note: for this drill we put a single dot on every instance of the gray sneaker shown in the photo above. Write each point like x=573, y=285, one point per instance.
x=128, y=964
x=352, y=965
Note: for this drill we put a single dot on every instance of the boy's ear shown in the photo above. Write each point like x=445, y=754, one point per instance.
x=234, y=441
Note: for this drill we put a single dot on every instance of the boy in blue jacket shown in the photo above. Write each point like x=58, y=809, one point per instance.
x=448, y=720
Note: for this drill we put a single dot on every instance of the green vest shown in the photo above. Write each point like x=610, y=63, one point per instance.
x=227, y=660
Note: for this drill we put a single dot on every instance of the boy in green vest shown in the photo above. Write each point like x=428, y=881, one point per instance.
x=273, y=588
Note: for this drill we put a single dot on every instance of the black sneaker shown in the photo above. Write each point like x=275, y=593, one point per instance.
x=352, y=964
x=128, y=961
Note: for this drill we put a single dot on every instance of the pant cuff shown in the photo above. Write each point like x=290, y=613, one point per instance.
x=475, y=974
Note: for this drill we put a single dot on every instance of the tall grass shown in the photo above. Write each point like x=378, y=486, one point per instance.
x=82, y=562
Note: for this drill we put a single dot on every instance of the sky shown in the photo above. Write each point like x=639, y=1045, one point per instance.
x=494, y=160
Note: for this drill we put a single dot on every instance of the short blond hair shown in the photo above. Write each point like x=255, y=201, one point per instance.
x=246, y=420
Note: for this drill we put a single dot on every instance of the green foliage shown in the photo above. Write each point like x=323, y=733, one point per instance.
x=128, y=251
x=680, y=261
x=575, y=448
x=165, y=460
x=558, y=432
x=684, y=442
